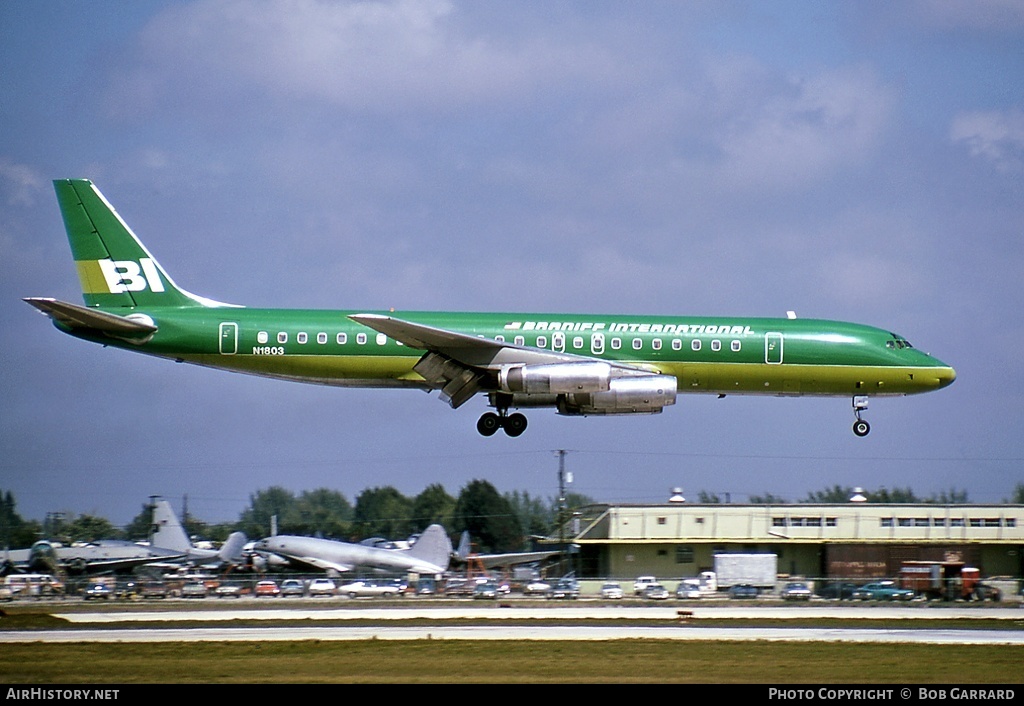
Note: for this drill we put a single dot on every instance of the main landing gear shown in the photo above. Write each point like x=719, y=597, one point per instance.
x=860, y=427
x=513, y=424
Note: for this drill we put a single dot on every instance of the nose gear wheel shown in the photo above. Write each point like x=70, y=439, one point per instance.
x=860, y=427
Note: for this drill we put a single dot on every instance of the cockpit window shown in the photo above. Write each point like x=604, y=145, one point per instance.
x=898, y=343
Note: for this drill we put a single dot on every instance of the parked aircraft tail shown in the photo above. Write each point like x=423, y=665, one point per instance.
x=167, y=530
x=231, y=552
x=169, y=534
x=433, y=546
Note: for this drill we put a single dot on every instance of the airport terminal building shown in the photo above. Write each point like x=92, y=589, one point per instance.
x=855, y=540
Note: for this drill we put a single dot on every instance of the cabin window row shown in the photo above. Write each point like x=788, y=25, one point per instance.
x=597, y=343
x=302, y=338
x=558, y=342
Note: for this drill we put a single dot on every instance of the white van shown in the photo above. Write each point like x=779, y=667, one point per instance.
x=33, y=585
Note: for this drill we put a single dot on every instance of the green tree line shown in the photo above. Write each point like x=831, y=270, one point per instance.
x=496, y=522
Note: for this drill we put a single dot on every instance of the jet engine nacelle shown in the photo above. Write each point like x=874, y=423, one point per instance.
x=627, y=395
x=556, y=378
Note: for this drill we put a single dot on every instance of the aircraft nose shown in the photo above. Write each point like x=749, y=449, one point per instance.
x=945, y=376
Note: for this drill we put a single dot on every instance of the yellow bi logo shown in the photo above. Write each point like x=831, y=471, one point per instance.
x=130, y=276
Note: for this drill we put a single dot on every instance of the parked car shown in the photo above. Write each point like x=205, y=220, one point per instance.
x=426, y=587
x=458, y=587
x=485, y=590
x=795, y=591
x=228, y=590
x=655, y=592
x=295, y=587
x=611, y=590
x=986, y=592
x=841, y=590
x=536, y=588
x=358, y=589
x=322, y=587
x=127, y=589
x=688, y=591
x=882, y=591
x=566, y=589
x=641, y=583
x=194, y=589
x=743, y=590
x=401, y=586
x=98, y=590
x=267, y=588
x=153, y=589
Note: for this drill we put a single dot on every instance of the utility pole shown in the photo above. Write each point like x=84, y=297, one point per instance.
x=561, y=507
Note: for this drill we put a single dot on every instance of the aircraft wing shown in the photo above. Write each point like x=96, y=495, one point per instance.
x=96, y=565
x=494, y=561
x=461, y=364
x=425, y=337
x=317, y=562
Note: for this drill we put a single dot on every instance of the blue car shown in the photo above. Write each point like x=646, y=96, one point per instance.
x=883, y=591
x=743, y=590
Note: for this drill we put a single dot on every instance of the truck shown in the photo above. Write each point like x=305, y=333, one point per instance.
x=946, y=580
x=697, y=586
x=760, y=570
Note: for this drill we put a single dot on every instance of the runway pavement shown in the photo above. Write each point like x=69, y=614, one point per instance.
x=505, y=622
x=498, y=611
x=520, y=632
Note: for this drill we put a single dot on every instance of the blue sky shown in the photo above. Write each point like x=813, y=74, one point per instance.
x=853, y=161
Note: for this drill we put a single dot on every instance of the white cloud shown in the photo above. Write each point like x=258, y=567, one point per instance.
x=364, y=56
x=802, y=130
x=993, y=135
x=21, y=183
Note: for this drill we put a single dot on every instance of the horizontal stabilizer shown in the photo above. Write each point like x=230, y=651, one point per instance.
x=75, y=316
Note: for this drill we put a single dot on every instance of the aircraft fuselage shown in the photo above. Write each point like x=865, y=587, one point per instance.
x=733, y=355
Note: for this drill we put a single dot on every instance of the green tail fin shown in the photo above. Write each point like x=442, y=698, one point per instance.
x=114, y=267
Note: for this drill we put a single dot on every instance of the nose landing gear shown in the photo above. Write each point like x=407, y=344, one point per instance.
x=513, y=424
x=860, y=427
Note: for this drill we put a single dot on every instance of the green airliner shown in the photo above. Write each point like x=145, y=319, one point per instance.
x=576, y=364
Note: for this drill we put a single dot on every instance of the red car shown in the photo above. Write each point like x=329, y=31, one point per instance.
x=267, y=588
